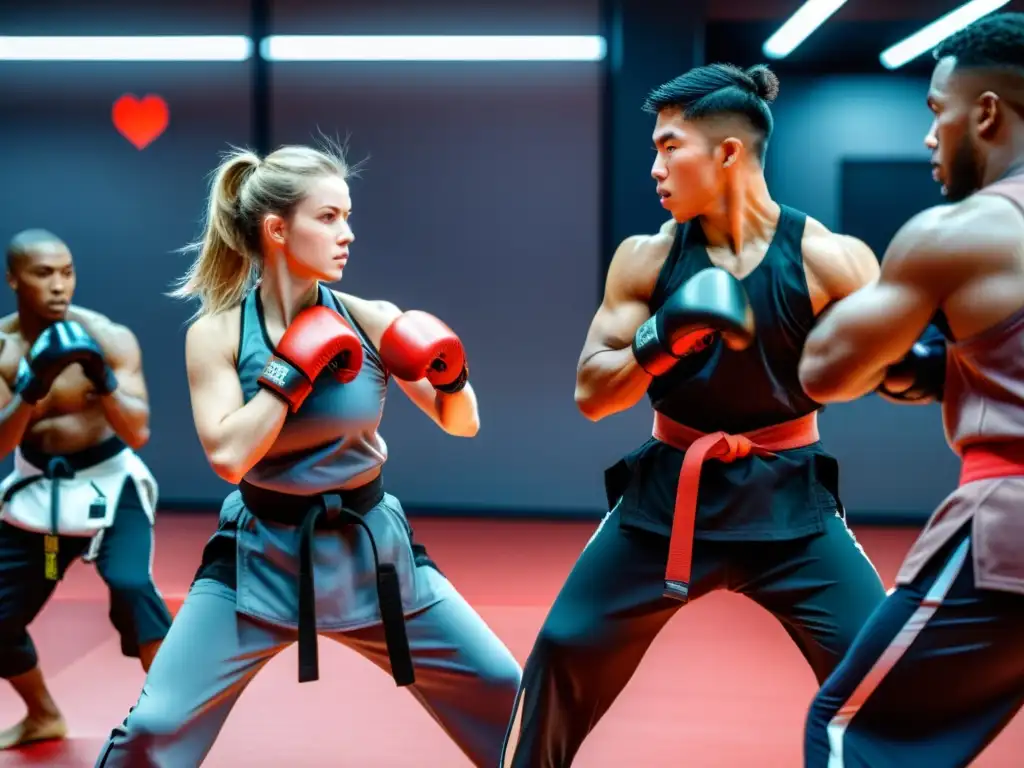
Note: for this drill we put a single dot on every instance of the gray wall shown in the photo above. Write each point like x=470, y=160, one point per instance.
x=479, y=202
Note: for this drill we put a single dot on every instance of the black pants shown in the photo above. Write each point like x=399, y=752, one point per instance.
x=933, y=677
x=821, y=589
x=137, y=610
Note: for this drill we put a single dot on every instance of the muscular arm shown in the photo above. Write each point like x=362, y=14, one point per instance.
x=127, y=407
x=234, y=434
x=608, y=377
x=848, y=352
x=15, y=413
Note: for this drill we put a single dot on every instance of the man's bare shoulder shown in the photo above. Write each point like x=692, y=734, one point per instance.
x=821, y=244
x=635, y=266
x=980, y=234
x=640, y=255
x=836, y=264
x=113, y=337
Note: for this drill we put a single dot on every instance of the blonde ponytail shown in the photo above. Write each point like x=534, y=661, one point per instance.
x=226, y=264
x=244, y=190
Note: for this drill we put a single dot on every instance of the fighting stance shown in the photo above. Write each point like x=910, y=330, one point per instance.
x=938, y=671
x=288, y=382
x=74, y=409
x=708, y=318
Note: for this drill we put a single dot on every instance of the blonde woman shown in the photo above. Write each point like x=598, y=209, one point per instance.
x=288, y=381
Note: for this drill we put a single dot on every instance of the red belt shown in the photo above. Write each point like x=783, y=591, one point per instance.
x=988, y=460
x=720, y=446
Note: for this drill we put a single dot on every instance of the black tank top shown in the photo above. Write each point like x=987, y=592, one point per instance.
x=783, y=496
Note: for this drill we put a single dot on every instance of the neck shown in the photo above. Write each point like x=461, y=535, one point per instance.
x=283, y=295
x=31, y=325
x=1007, y=161
x=745, y=214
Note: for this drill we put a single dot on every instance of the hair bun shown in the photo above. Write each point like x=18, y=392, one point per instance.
x=766, y=82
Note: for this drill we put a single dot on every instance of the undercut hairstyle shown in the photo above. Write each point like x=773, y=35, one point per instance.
x=995, y=41
x=722, y=90
x=27, y=242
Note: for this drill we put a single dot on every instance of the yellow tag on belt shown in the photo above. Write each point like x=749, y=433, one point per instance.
x=50, y=547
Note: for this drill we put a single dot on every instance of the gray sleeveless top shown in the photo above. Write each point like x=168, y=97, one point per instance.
x=984, y=399
x=332, y=442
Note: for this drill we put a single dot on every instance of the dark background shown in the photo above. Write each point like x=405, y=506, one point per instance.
x=493, y=195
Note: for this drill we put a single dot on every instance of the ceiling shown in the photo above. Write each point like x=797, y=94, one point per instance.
x=849, y=42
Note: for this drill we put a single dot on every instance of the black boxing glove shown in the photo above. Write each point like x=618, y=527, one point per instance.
x=712, y=301
x=924, y=367
x=57, y=347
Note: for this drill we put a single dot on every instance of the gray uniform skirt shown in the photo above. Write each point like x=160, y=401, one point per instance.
x=328, y=562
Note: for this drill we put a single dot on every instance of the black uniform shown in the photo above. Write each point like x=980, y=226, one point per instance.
x=769, y=527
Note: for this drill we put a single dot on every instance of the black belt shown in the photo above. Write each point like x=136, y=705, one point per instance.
x=332, y=511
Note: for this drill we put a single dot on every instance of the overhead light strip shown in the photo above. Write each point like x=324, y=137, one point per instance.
x=927, y=38
x=433, y=48
x=127, y=48
x=801, y=25
x=307, y=48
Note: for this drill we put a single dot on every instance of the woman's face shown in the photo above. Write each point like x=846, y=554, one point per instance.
x=317, y=237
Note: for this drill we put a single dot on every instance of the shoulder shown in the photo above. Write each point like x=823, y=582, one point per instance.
x=12, y=350
x=214, y=334
x=112, y=336
x=637, y=261
x=980, y=233
x=647, y=248
x=822, y=246
x=372, y=315
x=9, y=323
x=840, y=263
x=371, y=310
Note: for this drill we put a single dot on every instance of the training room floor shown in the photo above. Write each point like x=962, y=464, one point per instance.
x=721, y=687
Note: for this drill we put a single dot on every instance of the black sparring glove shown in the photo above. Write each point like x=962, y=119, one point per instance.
x=712, y=301
x=924, y=366
x=57, y=347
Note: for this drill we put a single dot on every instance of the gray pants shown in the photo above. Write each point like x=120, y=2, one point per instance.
x=465, y=677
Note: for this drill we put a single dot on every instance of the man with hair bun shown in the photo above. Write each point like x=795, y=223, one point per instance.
x=708, y=318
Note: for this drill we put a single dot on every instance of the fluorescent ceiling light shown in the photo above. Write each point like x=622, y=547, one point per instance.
x=799, y=27
x=433, y=48
x=127, y=48
x=927, y=38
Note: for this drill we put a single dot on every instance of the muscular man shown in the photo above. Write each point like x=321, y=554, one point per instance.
x=708, y=319
x=938, y=670
x=74, y=408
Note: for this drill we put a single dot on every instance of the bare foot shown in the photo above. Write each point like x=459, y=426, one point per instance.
x=33, y=729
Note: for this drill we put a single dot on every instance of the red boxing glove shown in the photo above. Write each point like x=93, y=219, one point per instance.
x=419, y=346
x=318, y=338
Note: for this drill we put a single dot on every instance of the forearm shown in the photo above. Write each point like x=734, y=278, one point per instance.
x=610, y=381
x=14, y=419
x=128, y=416
x=457, y=413
x=244, y=437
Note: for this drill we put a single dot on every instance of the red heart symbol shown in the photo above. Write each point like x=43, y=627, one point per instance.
x=141, y=121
